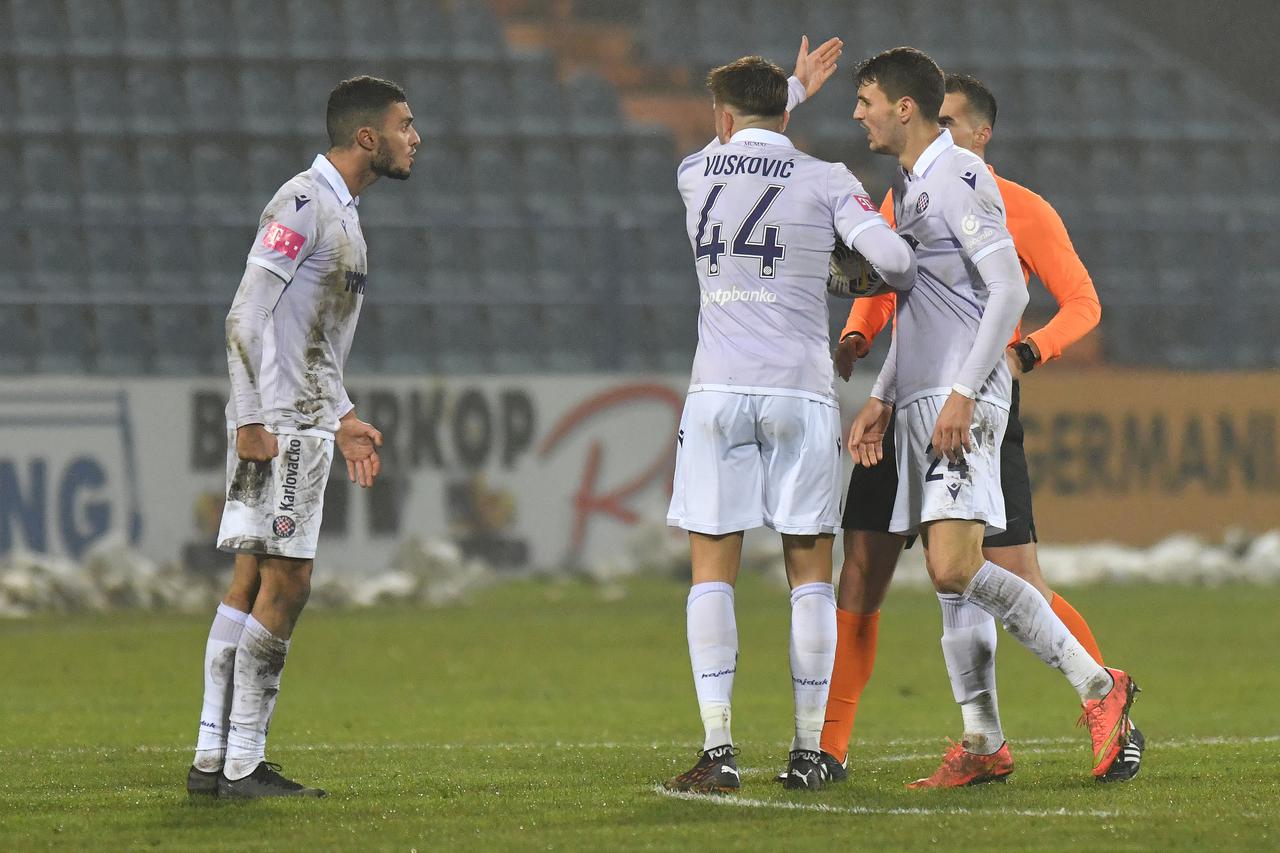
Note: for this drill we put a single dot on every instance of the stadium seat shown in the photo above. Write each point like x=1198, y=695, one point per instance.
x=222, y=253
x=15, y=271
x=66, y=338
x=369, y=29
x=451, y=250
x=561, y=259
x=219, y=182
x=575, y=338
x=189, y=339
x=476, y=32
x=593, y=105
x=518, y=345
x=401, y=338
x=425, y=31
x=43, y=102
x=163, y=168
x=1040, y=32
x=270, y=166
x=157, y=99
x=505, y=261
x=551, y=179
x=538, y=101
x=261, y=28
x=874, y=26
x=775, y=24
x=122, y=343
x=495, y=178
x=460, y=337
x=440, y=173
x=149, y=29
x=9, y=117
x=49, y=179
x=669, y=31
x=397, y=268
x=652, y=163
x=485, y=100
x=316, y=29
x=10, y=190
x=115, y=262
x=603, y=178
x=211, y=98
x=313, y=81
x=199, y=40
x=94, y=28
x=722, y=34
x=101, y=99
x=106, y=176
x=19, y=341
x=171, y=253
x=267, y=99
x=1156, y=98
x=430, y=87
x=39, y=28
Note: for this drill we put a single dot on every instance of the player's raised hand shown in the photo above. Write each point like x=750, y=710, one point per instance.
x=849, y=350
x=816, y=67
x=951, y=436
x=359, y=443
x=255, y=444
x=866, y=433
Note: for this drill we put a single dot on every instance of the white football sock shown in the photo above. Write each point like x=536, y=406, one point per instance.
x=713, y=652
x=969, y=648
x=813, y=653
x=219, y=671
x=259, y=662
x=1028, y=617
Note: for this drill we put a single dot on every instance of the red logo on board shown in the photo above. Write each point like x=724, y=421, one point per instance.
x=286, y=241
x=865, y=203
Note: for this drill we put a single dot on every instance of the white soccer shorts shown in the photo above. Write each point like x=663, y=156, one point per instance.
x=746, y=460
x=932, y=489
x=274, y=508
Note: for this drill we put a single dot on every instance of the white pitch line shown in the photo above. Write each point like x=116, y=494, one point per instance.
x=1029, y=746
x=734, y=800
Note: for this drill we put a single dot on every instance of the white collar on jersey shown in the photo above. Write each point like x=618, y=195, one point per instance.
x=930, y=155
x=759, y=134
x=331, y=175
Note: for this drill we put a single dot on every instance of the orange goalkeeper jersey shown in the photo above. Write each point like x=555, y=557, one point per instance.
x=1044, y=248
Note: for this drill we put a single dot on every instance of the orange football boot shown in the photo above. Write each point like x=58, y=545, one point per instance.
x=1108, y=721
x=960, y=767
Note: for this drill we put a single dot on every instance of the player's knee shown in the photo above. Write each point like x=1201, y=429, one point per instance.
x=951, y=572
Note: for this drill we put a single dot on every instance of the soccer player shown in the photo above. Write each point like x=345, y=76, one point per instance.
x=871, y=552
x=759, y=438
x=288, y=333
x=949, y=380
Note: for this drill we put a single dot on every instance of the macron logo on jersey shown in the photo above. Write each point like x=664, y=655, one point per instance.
x=284, y=240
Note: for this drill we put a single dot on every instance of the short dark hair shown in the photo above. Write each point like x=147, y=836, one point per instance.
x=904, y=72
x=356, y=103
x=981, y=102
x=752, y=84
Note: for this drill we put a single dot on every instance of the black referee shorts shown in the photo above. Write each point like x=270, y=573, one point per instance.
x=872, y=491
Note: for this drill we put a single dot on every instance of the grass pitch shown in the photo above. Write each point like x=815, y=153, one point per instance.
x=543, y=715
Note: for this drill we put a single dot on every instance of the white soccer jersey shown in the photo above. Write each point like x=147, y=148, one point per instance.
x=949, y=208
x=309, y=236
x=762, y=219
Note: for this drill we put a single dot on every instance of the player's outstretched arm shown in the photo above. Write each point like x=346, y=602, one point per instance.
x=813, y=68
x=359, y=442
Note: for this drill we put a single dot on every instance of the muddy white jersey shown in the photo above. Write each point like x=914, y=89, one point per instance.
x=309, y=236
x=949, y=208
x=762, y=218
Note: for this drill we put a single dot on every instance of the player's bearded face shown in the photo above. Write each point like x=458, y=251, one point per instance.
x=388, y=162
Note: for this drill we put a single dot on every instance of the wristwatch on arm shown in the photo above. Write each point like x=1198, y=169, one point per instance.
x=1027, y=357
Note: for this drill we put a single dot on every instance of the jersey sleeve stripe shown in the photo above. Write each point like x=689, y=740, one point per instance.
x=270, y=267
x=987, y=250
